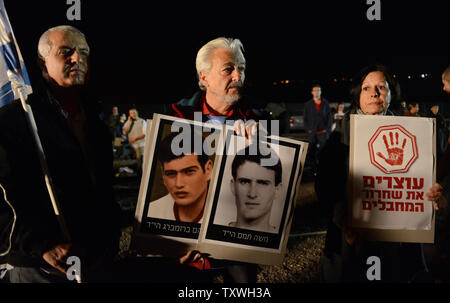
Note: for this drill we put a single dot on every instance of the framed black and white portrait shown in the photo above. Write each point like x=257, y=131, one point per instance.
x=251, y=209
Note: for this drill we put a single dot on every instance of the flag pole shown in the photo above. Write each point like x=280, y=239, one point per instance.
x=45, y=169
x=48, y=180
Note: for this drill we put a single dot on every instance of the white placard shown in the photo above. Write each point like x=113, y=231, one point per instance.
x=392, y=166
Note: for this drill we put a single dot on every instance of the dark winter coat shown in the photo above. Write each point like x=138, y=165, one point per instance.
x=91, y=214
x=318, y=120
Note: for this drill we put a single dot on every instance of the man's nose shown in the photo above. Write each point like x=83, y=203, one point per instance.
x=252, y=192
x=179, y=182
x=77, y=57
x=236, y=75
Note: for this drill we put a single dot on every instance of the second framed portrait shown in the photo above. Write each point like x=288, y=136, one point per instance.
x=250, y=213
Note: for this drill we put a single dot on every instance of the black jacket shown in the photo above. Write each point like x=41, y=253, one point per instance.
x=318, y=120
x=92, y=216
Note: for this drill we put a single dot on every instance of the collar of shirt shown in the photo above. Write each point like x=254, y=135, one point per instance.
x=206, y=111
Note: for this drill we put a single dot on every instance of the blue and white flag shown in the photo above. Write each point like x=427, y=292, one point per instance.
x=13, y=73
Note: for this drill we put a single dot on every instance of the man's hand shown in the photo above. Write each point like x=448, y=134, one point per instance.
x=248, y=129
x=195, y=259
x=58, y=255
x=191, y=256
x=434, y=193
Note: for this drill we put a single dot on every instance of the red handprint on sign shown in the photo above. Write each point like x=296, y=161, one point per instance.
x=401, y=152
x=395, y=154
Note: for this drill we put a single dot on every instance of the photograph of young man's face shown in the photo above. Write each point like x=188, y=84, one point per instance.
x=255, y=190
x=186, y=180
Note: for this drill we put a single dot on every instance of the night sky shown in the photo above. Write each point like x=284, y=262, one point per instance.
x=142, y=53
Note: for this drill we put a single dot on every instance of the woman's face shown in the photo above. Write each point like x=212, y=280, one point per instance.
x=375, y=94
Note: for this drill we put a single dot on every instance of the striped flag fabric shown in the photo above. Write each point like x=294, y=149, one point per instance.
x=13, y=73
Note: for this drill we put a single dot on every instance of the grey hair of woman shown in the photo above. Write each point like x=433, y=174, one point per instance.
x=203, y=59
x=45, y=45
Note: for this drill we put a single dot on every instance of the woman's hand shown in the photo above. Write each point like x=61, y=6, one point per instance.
x=351, y=235
x=434, y=193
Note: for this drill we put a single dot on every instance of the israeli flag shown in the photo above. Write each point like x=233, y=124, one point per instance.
x=13, y=74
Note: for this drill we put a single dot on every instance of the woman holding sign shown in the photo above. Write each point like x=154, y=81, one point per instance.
x=348, y=257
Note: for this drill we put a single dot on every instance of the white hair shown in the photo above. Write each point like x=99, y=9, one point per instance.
x=45, y=45
x=203, y=60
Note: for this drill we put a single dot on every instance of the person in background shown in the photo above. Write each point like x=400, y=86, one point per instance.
x=318, y=122
x=134, y=129
x=123, y=150
x=441, y=130
x=403, y=108
x=113, y=121
x=338, y=116
x=446, y=80
x=413, y=110
x=119, y=129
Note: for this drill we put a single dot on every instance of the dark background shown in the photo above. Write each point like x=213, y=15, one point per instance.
x=143, y=53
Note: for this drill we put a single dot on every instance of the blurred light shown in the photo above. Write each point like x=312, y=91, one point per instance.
x=395, y=76
x=422, y=76
x=275, y=83
x=335, y=80
x=409, y=77
x=286, y=82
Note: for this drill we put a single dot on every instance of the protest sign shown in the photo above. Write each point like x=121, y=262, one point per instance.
x=392, y=166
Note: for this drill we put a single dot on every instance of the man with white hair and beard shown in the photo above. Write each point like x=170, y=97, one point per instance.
x=220, y=68
x=220, y=65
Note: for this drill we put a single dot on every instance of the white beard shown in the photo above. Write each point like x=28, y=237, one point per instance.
x=229, y=99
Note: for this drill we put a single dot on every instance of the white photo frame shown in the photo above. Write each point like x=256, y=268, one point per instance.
x=153, y=233
x=223, y=241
